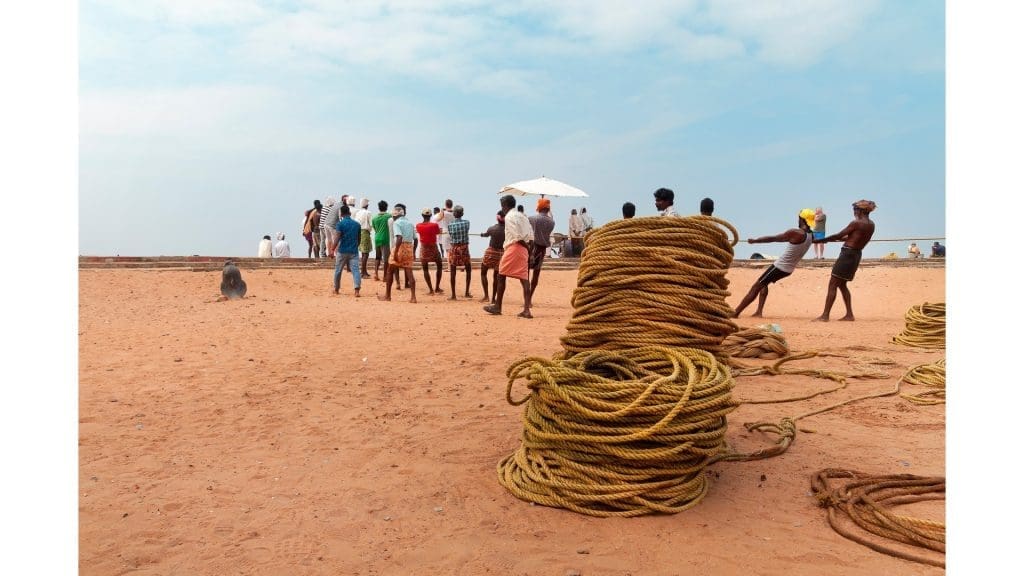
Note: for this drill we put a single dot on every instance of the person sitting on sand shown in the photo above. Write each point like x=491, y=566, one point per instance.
x=281, y=247
x=938, y=250
x=402, y=253
x=799, y=241
x=265, y=249
x=913, y=251
x=855, y=237
x=515, y=259
x=492, y=256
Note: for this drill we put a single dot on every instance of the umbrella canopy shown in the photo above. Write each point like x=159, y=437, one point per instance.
x=543, y=187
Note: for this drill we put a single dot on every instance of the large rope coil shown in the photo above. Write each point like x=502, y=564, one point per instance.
x=756, y=343
x=618, y=433
x=925, y=326
x=625, y=419
x=931, y=376
x=653, y=281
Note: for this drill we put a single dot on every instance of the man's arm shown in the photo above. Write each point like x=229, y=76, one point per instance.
x=841, y=235
x=792, y=236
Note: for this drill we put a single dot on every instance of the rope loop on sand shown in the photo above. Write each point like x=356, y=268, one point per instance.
x=925, y=326
x=931, y=376
x=868, y=501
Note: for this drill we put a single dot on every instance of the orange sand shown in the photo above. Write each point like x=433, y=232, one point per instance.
x=297, y=432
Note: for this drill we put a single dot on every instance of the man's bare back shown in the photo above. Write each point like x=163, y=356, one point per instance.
x=858, y=233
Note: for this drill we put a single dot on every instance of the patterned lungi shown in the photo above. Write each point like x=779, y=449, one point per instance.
x=401, y=256
x=365, y=243
x=429, y=253
x=491, y=258
x=458, y=255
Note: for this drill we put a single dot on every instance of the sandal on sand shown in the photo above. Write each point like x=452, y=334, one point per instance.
x=492, y=310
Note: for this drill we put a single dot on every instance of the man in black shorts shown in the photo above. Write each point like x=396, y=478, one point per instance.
x=855, y=237
x=543, y=224
x=799, y=241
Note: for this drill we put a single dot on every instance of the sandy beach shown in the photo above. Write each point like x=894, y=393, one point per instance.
x=299, y=432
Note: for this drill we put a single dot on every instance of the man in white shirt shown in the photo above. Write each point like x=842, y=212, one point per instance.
x=365, y=221
x=265, y=248
x=575, y=234
x=281, y=248
x=664, y=200
x=515, y=259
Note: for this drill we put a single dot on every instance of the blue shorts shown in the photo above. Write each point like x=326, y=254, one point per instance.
x=819, y=235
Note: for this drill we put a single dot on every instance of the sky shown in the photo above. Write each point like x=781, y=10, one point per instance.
x=206, y=124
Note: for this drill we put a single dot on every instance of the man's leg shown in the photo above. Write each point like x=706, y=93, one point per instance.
x=830, y=298
x=762, y=296
x=437, y=279
x=499, y=295
x=527, y=297
x=469, y=278
x=376, y=263
x=751, y=294
x=357, y=277
x=363, y=269
x=411, y=284
x=389, y=277
x=338, y=266
x=426, y=276
x=451, y=276
x=536, y=278
x=846, y=300
x=483, y=282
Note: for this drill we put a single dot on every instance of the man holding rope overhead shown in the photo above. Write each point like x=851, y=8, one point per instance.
x=855, y=237
x=800, y=240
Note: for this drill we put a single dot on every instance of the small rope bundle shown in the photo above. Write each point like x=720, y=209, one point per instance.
x=618, y=433
x=868, y=501
x=755, y=343
x=932, y=376
x=926, y=326
x=653, y=281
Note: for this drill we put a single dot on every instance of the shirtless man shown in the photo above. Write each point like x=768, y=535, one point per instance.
x=855, y=237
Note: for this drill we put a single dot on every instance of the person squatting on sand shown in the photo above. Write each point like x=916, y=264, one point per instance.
x=855, y=237
x=381, y=239
x=492, y=256
x=458, y=250
x=427, y=233
x=231, y=284
x=347, y=248
x=800, y=240
x=515, y=259
x=543, y=225
x=402, y=252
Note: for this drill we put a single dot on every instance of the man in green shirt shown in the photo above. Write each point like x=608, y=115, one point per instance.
x=381, y=239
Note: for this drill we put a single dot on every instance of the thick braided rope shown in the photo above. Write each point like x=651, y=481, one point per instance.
x=657, y=281
x=755, y=343
x=618, y=433
x=925, y=327
x=868, y=501
x=932, y=376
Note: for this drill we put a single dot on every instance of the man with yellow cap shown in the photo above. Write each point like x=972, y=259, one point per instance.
x=800, y=240
x=855, y=237
x=543, y=225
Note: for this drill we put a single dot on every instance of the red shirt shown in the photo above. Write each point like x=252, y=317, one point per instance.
x=428, y=232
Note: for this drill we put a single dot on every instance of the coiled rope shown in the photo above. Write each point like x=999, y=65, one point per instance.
x=868, y=501
x=925, y=326
x=624, y=420
x=618, y=433
x=932, y=376
x=653, y=281
x=756, y=343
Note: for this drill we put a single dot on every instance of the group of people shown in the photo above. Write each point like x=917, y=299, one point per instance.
x=938, y=250
x=279, y=249
x=517, y=246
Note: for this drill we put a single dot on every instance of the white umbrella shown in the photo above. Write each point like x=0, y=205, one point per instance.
x=542, y=187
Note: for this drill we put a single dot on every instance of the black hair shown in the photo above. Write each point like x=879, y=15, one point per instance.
x=345, y=210
x=317, y=204
x=628, y=210
x=664, y=194
x=382, y=206
x=508, y=201
x=707, y=206
x=267, y=237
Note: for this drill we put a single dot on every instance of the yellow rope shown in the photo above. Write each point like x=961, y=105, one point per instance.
x=932, y=376
x=755, y=343
x=868, y=501
x=653, y=281
x=925, y=328
x=623, y=421
x=618, y=433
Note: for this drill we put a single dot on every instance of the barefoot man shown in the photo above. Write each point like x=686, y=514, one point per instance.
x=427, y=233
x=515, y=259
x=402, y=255
x=492, y=256
x=458, y=251
x=799, y=241
x=855, y=237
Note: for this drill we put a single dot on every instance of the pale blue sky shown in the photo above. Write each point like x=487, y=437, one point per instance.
x=206, y=124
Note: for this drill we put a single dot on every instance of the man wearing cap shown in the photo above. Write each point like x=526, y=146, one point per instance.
x=855, y=237
x=543, y=224
x=427, y=233
x=458, y=250
x=492, y=256
x=402, y=253
x=365, y=221
x=800, y=240
x=515, y=259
